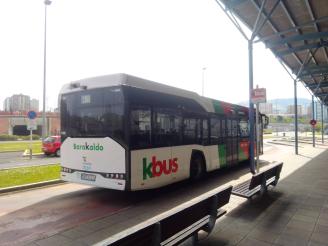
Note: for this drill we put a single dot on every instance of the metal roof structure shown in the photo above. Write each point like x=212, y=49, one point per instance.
x=296, y=31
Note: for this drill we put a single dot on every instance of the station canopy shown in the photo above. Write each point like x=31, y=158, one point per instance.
x=296, y=31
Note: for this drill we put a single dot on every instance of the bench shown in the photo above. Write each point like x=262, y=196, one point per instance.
x=259, y=182
x=176, y=225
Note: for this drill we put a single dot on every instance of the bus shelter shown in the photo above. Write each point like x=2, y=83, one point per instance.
x=296, y=32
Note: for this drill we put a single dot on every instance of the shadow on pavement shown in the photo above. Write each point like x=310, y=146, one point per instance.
x=295, y=212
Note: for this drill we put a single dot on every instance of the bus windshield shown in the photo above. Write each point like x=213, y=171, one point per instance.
x=93, y=113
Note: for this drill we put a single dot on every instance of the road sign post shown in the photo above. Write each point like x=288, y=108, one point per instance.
x=313, y=122
x=31, y=125
x=258, y=96
x=257, y=138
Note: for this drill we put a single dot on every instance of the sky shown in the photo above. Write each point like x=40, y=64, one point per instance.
x=167, y=41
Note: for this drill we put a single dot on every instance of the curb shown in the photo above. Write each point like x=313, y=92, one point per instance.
x=280, y=143
x=34, y=165
x=30, y=186
x=11, y=151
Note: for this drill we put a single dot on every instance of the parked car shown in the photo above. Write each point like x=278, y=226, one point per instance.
x=51, y=145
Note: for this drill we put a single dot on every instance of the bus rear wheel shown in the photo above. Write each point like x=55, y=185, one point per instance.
x=197, y=167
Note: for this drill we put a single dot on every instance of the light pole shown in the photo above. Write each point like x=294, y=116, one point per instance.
x=44, y=125
x=203, y=79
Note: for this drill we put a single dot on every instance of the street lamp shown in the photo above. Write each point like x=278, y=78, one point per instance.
x=44, y=125
x=203, y=78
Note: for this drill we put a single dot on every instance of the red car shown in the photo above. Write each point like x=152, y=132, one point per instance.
x=51, y=145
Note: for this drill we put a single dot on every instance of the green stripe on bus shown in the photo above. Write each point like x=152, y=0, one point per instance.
x=218, y=107
x=222, y=155
x=241, y=155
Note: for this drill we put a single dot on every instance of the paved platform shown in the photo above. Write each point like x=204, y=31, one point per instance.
x=293, y=213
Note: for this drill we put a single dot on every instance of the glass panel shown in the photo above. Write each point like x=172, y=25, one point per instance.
x=49, y=140
x=205, y=132
x=93, y=113
x=190, y=130
x=243, y=128
x=224, y=128
x=167, y=130
x=229, y=132
x=140, y=128
x=234, y=128
x=215, y=130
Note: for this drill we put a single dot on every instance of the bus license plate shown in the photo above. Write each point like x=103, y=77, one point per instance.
x=88, y=177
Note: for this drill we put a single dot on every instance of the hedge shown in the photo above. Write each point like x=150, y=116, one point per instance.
x=7, y=137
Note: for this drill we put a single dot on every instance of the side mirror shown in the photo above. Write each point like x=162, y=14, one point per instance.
x=265, y=121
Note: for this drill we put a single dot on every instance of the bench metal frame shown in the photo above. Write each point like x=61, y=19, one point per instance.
x=259, y=182
x=176, y=225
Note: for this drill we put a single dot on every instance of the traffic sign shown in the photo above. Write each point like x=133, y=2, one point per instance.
x=32, y=125
x=313, y=122
x=258, y=95
x=31, y=115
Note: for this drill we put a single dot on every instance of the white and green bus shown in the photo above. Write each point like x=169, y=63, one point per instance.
x=126, y=133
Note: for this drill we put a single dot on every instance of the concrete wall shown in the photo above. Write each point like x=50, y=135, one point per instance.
x=4, y=126
x=8, y=121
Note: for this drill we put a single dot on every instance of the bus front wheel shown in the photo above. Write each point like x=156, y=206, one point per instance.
x=197, y=167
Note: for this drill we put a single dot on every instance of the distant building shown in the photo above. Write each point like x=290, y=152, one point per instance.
x=291, y=109
x=20, y=103
x=309, y=111
x=6, y=105
x=318, y=112
x=34, y=105
x=266, y=108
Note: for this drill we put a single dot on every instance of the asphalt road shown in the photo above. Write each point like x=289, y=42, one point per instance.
x=16, y=159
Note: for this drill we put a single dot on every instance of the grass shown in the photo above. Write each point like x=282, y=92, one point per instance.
x=21, y=146
x=28, y=175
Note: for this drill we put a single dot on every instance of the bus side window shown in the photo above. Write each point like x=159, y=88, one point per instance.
x=189, y=130
x=140, y=128
x=215, y=130
x=243, y=128
x=234, y=128
x=205, y=132
x=229, y=128
x=167, y=129
x=199, y=131
x=223, y=128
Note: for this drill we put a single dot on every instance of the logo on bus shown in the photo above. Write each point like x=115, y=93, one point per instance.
x=86, y=146
x=157, y=168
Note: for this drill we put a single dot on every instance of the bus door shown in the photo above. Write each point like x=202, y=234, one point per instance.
x=243, y=139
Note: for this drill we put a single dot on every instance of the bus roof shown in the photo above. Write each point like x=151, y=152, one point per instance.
x=210, y=105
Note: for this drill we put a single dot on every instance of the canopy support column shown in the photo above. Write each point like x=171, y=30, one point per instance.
x=322, y=138
x=296, y=117
x=313, y=128
x=251, y=107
